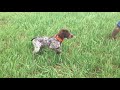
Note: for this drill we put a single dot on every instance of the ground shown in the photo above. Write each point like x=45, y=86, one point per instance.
x=90, y=54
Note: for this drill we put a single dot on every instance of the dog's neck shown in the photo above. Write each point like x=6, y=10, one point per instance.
x=60, y=39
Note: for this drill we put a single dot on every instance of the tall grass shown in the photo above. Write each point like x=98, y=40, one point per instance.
x=90, y=54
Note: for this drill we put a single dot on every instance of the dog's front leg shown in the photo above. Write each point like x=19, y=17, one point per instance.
x=58, y=50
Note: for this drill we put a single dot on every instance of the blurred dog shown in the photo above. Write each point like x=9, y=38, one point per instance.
x=52, y=42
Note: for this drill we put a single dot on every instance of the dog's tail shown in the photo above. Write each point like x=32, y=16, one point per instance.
x=33, y=38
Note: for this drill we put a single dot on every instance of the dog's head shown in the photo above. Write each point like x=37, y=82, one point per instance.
x=64, y=33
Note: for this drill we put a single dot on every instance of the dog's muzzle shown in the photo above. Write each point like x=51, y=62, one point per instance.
x=70, y=36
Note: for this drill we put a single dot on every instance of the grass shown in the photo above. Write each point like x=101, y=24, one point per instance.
x=90, y=54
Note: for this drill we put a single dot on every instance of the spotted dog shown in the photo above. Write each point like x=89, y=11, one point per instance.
x=53, y=42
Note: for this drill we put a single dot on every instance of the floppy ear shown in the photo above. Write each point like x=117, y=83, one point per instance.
x=66, y=32
x=62, y=30
x=60, y=34
x=63, y=33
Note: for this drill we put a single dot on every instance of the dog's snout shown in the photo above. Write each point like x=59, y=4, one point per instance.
x=71, y=35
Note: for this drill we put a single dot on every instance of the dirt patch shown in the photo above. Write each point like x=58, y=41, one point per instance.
x=57, y=67
x=5, y=44
x=3, y=21
x=22, y=36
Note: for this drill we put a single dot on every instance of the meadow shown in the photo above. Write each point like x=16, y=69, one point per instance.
x=90, y=54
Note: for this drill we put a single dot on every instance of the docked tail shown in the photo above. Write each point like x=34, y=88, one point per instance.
x=33, y=38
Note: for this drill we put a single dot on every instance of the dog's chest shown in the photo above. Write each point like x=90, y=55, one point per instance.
x=53, y=43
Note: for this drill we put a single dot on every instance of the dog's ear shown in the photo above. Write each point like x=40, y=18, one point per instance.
x=64, y=30
x=64, y=33
x=67, y=34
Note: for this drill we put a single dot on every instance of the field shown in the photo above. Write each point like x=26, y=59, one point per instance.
x=90, y=54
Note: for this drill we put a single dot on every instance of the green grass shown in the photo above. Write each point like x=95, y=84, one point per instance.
x=90, y=54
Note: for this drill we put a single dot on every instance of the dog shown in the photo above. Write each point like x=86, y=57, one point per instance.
x=53, y=42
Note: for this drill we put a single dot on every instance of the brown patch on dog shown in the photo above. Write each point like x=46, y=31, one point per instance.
x=64, y=33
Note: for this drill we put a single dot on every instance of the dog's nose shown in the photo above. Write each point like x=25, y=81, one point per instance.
x=71, y=35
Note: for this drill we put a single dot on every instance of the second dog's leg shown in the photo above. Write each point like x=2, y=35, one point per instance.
x=115, y=32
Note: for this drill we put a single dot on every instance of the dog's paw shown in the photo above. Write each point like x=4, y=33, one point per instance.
x=58, y=52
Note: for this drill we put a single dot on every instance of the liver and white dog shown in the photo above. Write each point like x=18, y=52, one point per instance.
x=52, y=42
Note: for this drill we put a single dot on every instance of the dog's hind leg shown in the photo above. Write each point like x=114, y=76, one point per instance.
x=36, y=50
x=37, y=46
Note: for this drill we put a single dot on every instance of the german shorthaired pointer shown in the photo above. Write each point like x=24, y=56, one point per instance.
x=52, y=42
